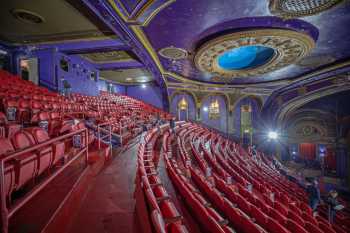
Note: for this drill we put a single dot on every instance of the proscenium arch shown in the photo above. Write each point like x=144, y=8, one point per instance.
x=294, y=104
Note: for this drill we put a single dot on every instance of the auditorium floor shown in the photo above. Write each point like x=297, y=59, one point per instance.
x=109, y=206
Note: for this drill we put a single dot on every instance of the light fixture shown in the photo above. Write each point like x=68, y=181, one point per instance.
x=143, y=86
x=272, y=135
x=205, y=109
x=246, y=131
x=183, y=104
x=214, y=109
x=128, y=79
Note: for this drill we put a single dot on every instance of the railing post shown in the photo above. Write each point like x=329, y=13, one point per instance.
x=4, y=213
x=87, y=145
x=98, y=136
x=110, y=138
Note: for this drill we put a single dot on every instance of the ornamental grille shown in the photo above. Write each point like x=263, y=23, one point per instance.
x=296, y=8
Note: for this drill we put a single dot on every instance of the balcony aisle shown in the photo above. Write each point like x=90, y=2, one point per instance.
x=109, y=205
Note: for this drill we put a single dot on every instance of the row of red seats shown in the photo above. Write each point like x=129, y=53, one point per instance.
x=22, y=169
x=164, y=215
x=202, y=210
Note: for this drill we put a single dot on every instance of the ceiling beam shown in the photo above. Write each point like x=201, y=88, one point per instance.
x=86, y=46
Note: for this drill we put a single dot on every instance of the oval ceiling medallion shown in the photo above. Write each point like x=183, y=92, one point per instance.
x=173, y=53
x=27, y=16
x=299, y=8
x=252, y=52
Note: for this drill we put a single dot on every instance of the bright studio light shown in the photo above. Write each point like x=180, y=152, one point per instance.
x=272, y=135
x=143, y=86
x=205, y=109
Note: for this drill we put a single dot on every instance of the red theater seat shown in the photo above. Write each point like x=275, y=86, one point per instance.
x=23, y=114
x=8, y=129
x=9, y=179
x=259, y=217
x=58, y=148
x=326, y=228
x=312, y=228
x=25, y=164
x=275, y=227
x=294, y=227
x=177, y=228
x=168, y=210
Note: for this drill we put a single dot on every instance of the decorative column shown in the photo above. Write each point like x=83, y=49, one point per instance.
x=198, y=111
x=230, y=119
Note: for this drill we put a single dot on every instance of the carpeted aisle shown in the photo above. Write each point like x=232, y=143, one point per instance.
x=109, y=206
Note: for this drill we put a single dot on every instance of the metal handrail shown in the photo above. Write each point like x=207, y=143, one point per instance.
x=6, y=212
x=108, y=135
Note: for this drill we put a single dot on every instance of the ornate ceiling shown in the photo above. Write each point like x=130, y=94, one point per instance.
x=201, y=22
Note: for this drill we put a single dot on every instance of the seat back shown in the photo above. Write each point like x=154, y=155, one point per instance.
x=5, y=146
x=22, y=140
x=310, y=227
x=3, y=119
x=295, y=227
x=39, y=134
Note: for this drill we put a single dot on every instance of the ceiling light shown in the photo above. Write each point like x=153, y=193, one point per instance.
x=143, y=86
x=128, y=79
x=205, y=109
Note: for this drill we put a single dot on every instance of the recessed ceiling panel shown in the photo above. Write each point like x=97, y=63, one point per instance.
x=111, y=56
x=127, y=76
x=23, y=21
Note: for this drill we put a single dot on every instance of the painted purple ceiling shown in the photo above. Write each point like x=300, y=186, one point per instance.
x=184, y=24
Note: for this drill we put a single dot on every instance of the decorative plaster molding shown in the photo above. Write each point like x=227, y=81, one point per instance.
x=143, y=12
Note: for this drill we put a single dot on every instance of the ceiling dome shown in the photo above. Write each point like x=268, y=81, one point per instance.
x=245, y=57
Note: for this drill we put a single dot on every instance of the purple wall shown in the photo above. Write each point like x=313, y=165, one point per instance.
x=78, y=75
x=150, y=93
x=221, y=123
x=237, y=115
x=117, y=88
x=191, y=106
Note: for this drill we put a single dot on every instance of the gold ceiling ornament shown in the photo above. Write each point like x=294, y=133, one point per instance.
x=173, y=53
x=214, y=109
x=300, y=8
x=289, y=46
x=183, y=105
